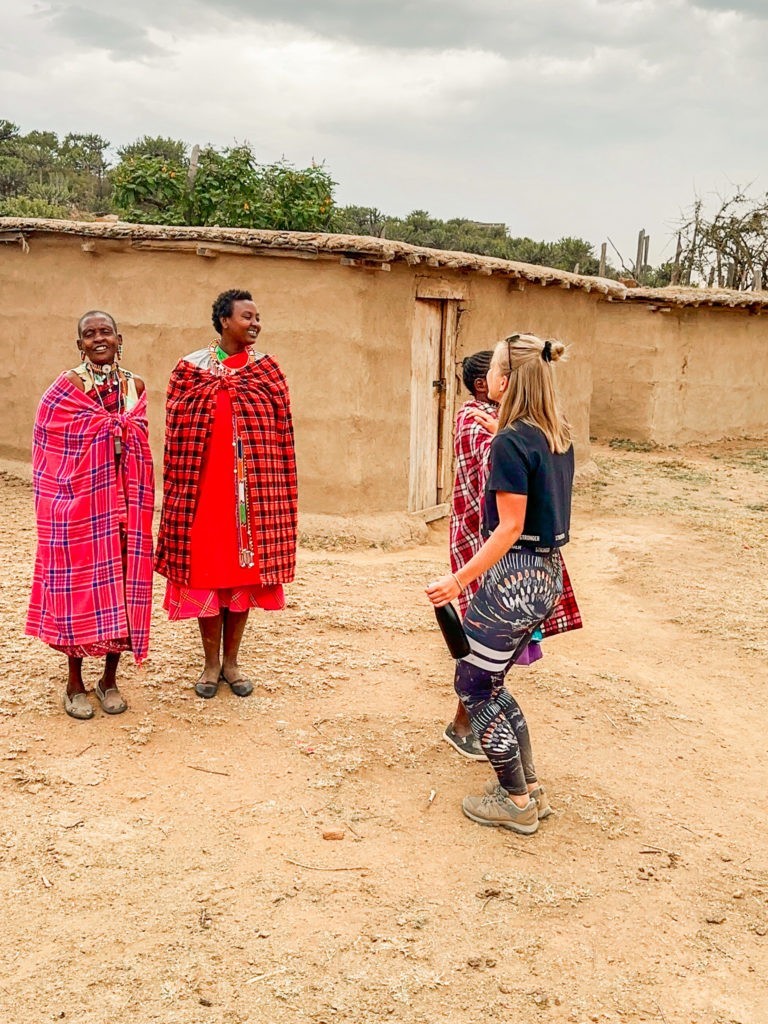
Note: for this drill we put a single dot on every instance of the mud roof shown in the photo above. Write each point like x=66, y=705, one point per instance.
x=353, y=250
x=665, y=298
x=365, y=251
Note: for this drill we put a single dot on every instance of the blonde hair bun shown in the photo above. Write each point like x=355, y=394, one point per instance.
x=557, y=351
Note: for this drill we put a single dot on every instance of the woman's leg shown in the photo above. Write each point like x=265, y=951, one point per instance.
x=109, y=696
x=491, y=711
x=516, y=595
x=76, y=702
x=210, y=633
x=234, y=628
x=109, y=678
x=75, y=676
x=461, y=723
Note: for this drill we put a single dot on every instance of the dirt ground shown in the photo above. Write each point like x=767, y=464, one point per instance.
x=169, y=865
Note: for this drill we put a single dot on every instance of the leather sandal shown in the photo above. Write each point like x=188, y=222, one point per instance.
x=111, y=700
x=240, y=687
x=205, y=689
x=77, y=706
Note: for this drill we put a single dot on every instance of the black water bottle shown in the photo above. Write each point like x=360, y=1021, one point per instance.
x=453, y=631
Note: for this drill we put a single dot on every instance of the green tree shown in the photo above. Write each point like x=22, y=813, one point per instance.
x=46, y=176
x=24, y=206
x=296, y=200
x=228, y=188
x=84, y=155
x=148, y=190
x=170, y=151
x=14, y=173
x=361, y=220
x=659, y=277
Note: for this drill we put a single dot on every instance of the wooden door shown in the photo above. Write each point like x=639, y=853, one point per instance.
x=433, y=394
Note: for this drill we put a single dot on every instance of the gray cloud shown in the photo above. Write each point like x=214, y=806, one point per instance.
x=751, y=8
x=592, y=117
x=93, y=27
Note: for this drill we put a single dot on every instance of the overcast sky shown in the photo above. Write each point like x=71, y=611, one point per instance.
x=558, y=117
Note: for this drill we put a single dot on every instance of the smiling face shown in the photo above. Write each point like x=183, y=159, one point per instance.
x=242, y=328
x=99, y=341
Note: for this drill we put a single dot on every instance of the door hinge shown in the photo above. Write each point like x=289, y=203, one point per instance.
x=439, y=384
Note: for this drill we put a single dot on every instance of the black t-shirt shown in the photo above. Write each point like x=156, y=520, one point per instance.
x=521, y=463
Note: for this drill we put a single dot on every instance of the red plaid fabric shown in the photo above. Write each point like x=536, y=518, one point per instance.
x=471, y=444
x=259, y=396
x=194, y=603
x=80, y=595
x=566, y=615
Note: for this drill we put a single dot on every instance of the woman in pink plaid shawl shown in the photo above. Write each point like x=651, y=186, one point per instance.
x=94, y=497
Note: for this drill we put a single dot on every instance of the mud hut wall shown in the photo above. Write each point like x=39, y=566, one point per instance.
x=341, y=334
x=497, y=307
x=687, y=374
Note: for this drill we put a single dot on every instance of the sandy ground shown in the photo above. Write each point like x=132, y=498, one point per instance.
x=169, y=865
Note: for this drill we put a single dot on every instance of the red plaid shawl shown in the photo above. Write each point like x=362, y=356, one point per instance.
x=259, y=395
x=79, y=594
x=566, y=615
x=471, y=444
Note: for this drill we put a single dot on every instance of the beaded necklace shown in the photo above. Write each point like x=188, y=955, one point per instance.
x=218, y=355
x=245, y=546
x=112, y=377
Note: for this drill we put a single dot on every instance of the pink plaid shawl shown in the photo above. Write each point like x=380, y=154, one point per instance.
x=79, y=593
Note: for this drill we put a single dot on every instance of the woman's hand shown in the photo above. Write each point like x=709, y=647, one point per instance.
x=485, y=419
x=443, y=591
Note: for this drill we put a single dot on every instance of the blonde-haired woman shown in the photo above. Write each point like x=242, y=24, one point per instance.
x=526, y=520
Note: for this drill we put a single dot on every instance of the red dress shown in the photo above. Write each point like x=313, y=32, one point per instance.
x=217, y=580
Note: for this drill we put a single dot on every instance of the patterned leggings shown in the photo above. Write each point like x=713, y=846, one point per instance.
x=515, y=596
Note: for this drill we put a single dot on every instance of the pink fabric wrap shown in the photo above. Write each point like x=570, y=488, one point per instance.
x=80, y=594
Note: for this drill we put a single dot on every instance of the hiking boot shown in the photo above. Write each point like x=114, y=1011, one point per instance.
x=543, y=806
x=495, y=808
x=538, y=795
x=467, y=746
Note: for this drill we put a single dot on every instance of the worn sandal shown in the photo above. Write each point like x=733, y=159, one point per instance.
x=205, y=689
x=77, y=706
x=111, y=701
x=240, y=687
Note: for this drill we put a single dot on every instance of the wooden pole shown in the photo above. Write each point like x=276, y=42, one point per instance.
x=689, y=268
x=639, y=255
x=646, y=247
x=603, y=255
x=675, y=279
x=193, y=161
x=757, y=282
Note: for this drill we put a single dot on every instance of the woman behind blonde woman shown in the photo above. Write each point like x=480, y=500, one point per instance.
x=526, y=520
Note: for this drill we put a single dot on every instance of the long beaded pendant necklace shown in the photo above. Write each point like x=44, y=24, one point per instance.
x=245, y=545
x=112, y=377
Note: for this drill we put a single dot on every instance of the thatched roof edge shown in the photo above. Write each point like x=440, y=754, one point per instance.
x=304, y=242
x=680, y=296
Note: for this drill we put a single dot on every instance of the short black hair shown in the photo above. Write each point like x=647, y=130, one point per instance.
x=224, y=304
x=475, y=366
x=94, y=312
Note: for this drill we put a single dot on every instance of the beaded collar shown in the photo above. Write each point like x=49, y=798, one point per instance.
x=218, y=355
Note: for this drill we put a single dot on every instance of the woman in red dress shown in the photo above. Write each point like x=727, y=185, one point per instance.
x=227, y=539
